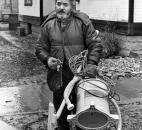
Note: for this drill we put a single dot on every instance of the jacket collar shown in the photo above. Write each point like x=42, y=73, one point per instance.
x=82, y=16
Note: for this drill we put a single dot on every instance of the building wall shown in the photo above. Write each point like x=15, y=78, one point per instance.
x=111, y=10
x=137, y=10
x=8, y=6
x=31, y=17
x=33, y=10
x=48, y=6
x=14, y=6
x=1, y=8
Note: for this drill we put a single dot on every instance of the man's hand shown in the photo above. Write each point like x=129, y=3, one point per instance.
x=133, y=55
x=91, y=71
x=52, y=63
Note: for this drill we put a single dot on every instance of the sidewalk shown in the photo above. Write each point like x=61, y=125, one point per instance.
x=5, y=126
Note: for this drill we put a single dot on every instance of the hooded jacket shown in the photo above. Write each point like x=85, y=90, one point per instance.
x=63, y=44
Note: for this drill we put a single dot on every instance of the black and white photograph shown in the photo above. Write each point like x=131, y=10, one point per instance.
x=70, y=65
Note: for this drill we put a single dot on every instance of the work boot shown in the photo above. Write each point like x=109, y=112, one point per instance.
x=63, y=125
x=61, y=128
x=57, y=128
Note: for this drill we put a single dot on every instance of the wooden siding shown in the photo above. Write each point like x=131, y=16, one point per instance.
x=112, y=10
x=33, y=10
x=30, y=19
x=138, y=11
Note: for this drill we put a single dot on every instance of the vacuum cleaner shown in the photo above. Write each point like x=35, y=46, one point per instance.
x=93, y=101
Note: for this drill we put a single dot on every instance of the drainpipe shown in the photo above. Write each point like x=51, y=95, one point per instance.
x=41, y=11
x=131, y=18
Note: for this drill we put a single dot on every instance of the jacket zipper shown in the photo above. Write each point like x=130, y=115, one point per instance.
x=61, y=71
x=63, y=43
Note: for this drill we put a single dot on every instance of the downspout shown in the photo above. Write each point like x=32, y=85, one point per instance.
x=41, y=12
x=131, y=18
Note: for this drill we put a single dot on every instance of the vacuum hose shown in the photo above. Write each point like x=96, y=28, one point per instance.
x=66, y=100
x=119, y=113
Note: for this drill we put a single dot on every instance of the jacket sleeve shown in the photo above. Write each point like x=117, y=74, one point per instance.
x=42, y=47
x=93, y=45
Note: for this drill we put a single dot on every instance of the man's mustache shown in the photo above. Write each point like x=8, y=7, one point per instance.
x=61, y=11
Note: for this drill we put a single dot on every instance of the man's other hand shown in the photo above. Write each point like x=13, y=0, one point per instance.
x=91, y=71
x=133, y=55
x=52, y=63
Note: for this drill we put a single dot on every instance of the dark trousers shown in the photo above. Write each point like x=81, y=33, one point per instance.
x=58, y=98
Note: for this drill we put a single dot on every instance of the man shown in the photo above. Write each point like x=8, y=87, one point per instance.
x=65, y=33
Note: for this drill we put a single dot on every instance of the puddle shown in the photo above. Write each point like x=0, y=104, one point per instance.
x=24, y=99
x=129, y=89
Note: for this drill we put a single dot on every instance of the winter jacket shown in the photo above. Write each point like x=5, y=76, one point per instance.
x=63, y=44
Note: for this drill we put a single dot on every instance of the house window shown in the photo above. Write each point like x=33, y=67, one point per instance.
x=28, y=2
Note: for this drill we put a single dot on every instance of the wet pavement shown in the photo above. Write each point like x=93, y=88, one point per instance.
x=23, y=85
x=29, y=97
x=129, y=90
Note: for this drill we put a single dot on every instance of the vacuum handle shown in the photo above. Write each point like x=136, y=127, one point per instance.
x=66, y=97
x=67, y=92
x=58, y=114
x=69, y=89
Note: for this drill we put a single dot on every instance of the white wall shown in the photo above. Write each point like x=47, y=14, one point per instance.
x=33, y=10
x=1, y=5
x=48, y=6
x=113, y=10
x=137, y=10
x=15, y=6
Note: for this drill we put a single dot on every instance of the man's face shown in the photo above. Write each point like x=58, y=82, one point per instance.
x=63, y=8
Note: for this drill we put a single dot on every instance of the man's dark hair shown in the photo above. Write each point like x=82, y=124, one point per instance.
x=72, y=2
x=69, y=0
